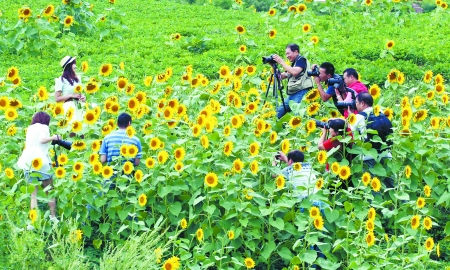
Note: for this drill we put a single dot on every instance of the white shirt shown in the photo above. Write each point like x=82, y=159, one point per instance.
x=65, y=87
x=35, y=149
x=305, y=179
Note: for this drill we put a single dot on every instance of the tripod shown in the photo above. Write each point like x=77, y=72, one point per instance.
x=275, y=81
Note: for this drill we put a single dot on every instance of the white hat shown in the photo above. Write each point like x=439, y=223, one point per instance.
x=66, y=60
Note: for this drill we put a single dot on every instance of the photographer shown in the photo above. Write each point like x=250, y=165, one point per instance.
x=323, y=74
x=366, y=119
x=332, y=130
x=298, y=81
x=304, y=177
x=351, y=81
x=36, y=149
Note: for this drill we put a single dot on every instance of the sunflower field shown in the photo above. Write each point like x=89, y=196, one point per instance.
x=206, y=194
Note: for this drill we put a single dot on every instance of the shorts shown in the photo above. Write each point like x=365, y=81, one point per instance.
x=36, y=175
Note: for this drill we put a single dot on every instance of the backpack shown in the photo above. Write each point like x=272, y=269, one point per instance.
x=382, y=125
x=301, y=81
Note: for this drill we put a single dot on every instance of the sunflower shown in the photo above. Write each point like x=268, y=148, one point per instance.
x=429, y=244
x=344, y=172
x=230, y=235
x=176, y=36
x=273, y=137
x=370, y=239
x=142, y=200
x=306, y=28
x=183, y=223
x=63, y=159
x=107, y=172
x=312, y=95
x=370, y=225
x=224, y=71
x=297, y=166
x=12, y=73
x=390, y=44
x=322, y=157
x=318, y=223
x=272, y=12
x=84, y=66
x=295, y=122
x=313, y=108
x=415, y=222
x=122, y=82
x=247, y=192
x=172, y=263
x=204, y=141
x=427, y=223
x=301, y=8
x=12, y=130
x=368, y=2
x=196, y=129
x=254, y=167
x=392, y=75
x=11, y=114
x=406, y=113
x=238, y=165
x=32, y=214
x=150, y=162
x=319, y=183
x=128, y=167
x=420, y=202
x=199, y=234
x=36, y=164
x=68, y=21
x=439, y=88
x=60, y=172
x=179, y=153
x=292, y=9
x=444, y=5
x=211, y=179
x=163, y=156
x=285, y=146
x=280, y=181
x=427, y=191
x=254, y=149
x=335, y=167
x=439, y=79
x=240, y=29
x=92, y=87
x=242, y=48
x=77, y=126
x=375, y=91
x=420, y=115
x=105, y=70
x=78, y=167
x=236, y=121
x=389, y=113
x=375, y=184
x=400, y=78
x=372, y=214
x=435, y=122
x=9, y=173
x=93, y=158
x=97, y=167
x=314, y=212
x=366, y=178
x=272, y=33
x=445, y=99
x=428, y=76
x=315, y=39
x=17, y=81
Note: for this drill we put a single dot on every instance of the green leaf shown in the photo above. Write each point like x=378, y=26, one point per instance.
x=278, y=223
x=331, y=215
x=269, y=247
x=97, y=243
x=309, y=256
x=123, y=214
x=87, y=230
x=286, y=254
x=123, y=227
x=444, y=198
x=104, y=228
x=175, y=208
x=378, y=170
x=429, y=178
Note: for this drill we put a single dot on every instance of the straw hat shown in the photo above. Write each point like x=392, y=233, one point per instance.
x=66, y=60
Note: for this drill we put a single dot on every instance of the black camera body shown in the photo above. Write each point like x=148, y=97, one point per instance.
x=314, y=72
x=337, y=82
x=341, y=105
x=268, y=59
x=66, y=144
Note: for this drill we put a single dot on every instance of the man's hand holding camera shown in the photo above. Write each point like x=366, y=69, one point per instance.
x=294, y=71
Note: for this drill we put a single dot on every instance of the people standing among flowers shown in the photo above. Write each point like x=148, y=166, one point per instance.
x=353, y=84
x=330, y=139
x=35, y=160
x=65, y=89
x=299, y=83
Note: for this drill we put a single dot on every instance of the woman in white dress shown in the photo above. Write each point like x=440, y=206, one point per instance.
x=36, y=146
x=65, y=89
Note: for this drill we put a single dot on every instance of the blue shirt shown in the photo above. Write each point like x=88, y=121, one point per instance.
x=111, y=145
x=330, y=89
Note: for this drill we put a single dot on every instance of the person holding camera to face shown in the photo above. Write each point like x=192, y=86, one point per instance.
x=353, y=84
x=321, y=75
x=330, y=138
x=35, y=161
x=365, y=120
x=299, y=83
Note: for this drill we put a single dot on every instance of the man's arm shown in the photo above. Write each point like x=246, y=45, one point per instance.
x=137, y=161
x=294, y=71
x=323, y=95
x=102, y=158
x=322, y=140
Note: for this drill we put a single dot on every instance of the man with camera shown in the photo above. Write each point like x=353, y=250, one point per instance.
x=353, y=84
x=299, y=83
x=323, y=74
x=366, y=120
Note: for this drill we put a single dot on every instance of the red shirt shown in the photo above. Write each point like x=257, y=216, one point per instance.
x=359, y=88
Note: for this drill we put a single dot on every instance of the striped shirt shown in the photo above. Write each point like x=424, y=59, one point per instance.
x=111, y=145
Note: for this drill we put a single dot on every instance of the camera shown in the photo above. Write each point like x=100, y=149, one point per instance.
x=337, y=82
x=66, y=144
x=277, y=157
x=314, y=72
x=343, y=105
x=321, y=124
x=268, y=59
